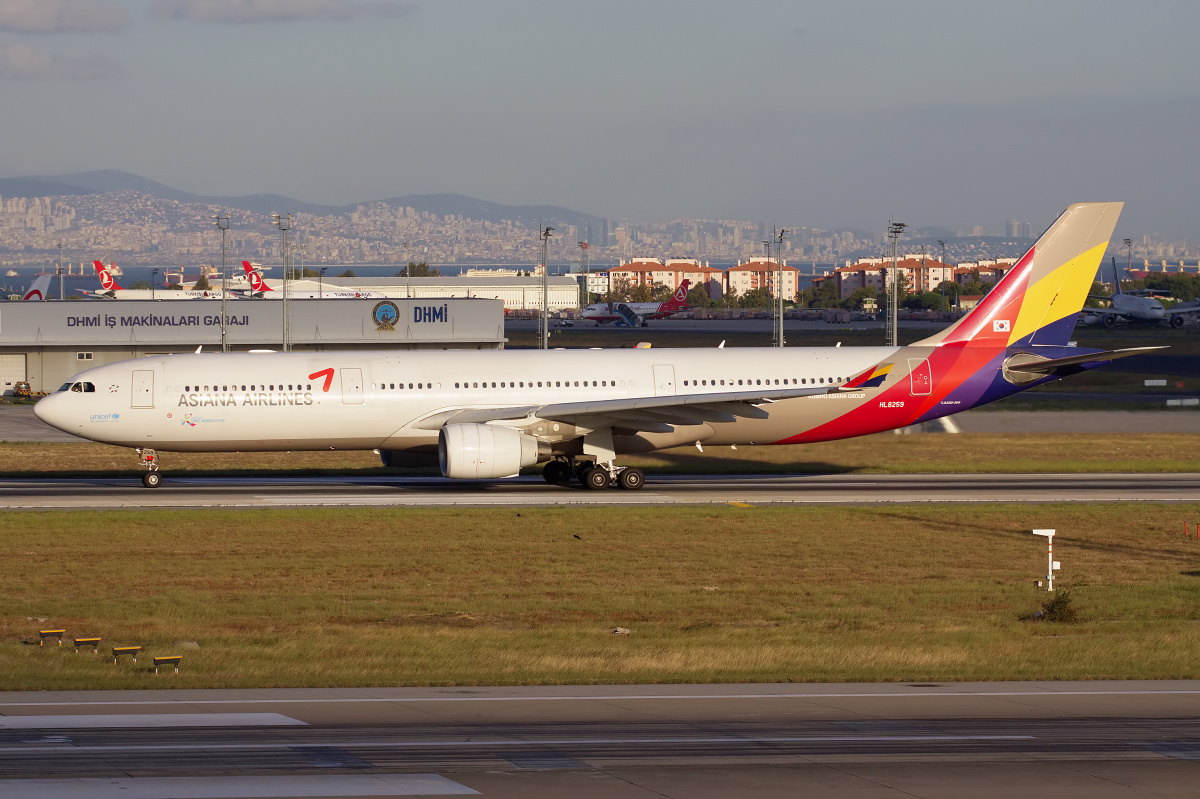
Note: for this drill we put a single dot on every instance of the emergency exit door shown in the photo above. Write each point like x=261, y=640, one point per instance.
x=143, y=389
x=664, y=380
x=920, y=378
x=352, y=386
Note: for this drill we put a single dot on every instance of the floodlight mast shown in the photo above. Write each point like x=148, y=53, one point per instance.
x=545, y=344
x=895, y=229
x=779, y=288
x=284, y=223
x=1129, y=248
x=222, y=222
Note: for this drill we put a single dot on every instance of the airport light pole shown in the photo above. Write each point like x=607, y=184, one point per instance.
x=895, y=229
x=58, y=270
x=222, y=222
x=1129, y=249
x=545, y=290
x=586, y=294
x=321, y=282
x=943, y=243
x=779, y=258
x=284, y=223
x=153, y=279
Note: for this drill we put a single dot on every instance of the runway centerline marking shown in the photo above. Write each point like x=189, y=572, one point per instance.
x=141, y=720
x=504, y=743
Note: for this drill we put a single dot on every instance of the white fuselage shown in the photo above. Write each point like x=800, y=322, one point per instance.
x=392, y=400
x=160, y=294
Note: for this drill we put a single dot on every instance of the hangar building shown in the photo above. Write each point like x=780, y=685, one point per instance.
x=46, y=343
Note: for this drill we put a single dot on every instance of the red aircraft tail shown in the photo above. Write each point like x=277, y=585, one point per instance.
x=256, y=281
x=106, y=280
x=678, y=300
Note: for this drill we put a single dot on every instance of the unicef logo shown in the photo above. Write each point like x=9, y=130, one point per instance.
x=385, y=315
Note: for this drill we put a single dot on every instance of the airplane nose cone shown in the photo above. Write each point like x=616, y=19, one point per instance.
x=51, y=411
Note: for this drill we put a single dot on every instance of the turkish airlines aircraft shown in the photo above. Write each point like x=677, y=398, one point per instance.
x=115, y=292
x=488, y=414
x=38, y=289
x=636, y=314
x=260, y=290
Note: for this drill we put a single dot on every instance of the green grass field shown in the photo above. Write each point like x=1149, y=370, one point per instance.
x=516, y=596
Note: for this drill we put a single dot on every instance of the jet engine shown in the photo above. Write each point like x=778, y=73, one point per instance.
x=472, y=451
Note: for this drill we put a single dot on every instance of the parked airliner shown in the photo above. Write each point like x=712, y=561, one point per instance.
x=488, y=414
x=260, y=290
x=110, y=290
x=1132, y=307
x=637, y=314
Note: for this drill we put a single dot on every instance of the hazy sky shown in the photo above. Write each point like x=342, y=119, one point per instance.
x=827, y=114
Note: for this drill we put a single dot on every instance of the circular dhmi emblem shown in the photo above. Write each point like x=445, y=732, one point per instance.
x=385, y=315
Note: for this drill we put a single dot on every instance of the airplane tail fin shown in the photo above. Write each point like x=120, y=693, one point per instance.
x=38, y=289
x=106, y=279
x=256, y=281
x=1116, y=277
x=678, y=299
x=1038, y=301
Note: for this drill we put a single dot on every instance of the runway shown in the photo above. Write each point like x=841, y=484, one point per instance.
x=1104, y=739
x=180, y=491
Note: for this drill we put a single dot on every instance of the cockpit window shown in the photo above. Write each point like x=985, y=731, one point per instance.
x=89, y=388
x=79, y=387
x=65, y=387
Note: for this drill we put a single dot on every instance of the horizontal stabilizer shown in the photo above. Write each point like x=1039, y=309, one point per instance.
x=1045, y=366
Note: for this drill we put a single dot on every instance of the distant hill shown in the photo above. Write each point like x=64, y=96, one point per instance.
x=106, y=180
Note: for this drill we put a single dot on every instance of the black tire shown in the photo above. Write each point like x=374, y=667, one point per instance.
x=557, y=473
x=151, y=479
x=595, y=479
x=1177, y=321
x=631, y=479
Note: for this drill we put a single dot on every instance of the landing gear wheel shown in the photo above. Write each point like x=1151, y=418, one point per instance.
x=557, y=473
x=595, y=479
x=631, y=479
x=151, y=479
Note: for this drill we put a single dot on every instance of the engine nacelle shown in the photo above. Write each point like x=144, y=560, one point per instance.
x=473, y=451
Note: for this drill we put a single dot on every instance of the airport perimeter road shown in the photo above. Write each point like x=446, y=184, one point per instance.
x=1111, y=739
x=180, y=491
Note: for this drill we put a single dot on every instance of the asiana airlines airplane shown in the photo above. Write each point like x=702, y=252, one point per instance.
x=484, y=415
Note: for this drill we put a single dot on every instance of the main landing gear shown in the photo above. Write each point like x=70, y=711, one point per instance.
x=594, y=476
x=149, y=462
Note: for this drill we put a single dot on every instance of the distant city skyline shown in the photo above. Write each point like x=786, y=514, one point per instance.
x=840, y=114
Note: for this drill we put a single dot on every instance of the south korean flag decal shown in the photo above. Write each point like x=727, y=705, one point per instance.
x=1001, y=326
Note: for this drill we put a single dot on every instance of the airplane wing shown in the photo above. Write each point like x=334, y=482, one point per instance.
x=646, y=414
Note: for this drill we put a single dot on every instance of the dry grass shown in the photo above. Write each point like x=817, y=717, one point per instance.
x=487, y=596
x=883, y=453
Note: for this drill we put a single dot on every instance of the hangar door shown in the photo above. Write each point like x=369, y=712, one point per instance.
x=12, y=371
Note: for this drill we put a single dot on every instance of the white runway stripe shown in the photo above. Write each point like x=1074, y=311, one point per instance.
x=502, y=743
x=87, y=721
x=242, y=787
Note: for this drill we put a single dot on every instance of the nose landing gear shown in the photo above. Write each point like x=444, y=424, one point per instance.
x=149, y=462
